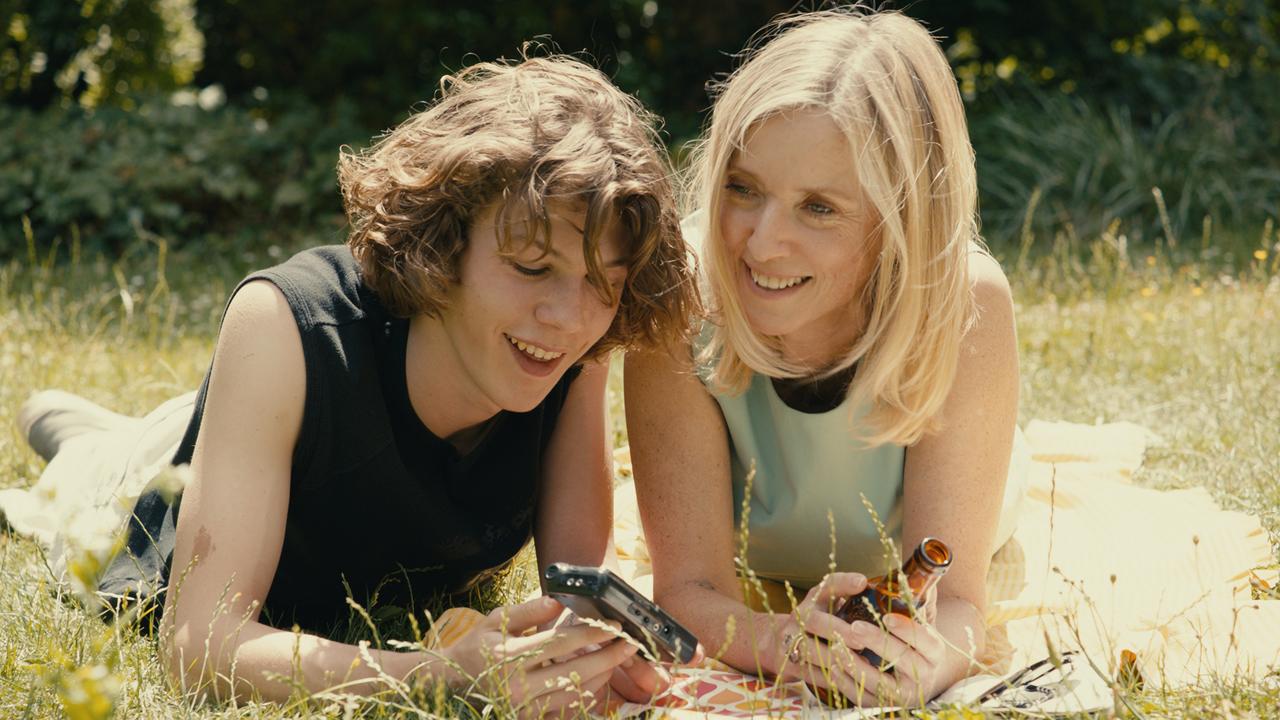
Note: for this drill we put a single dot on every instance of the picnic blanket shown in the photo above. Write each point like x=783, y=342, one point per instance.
x=1097, y=565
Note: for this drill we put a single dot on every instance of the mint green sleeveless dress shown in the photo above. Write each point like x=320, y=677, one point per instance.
x=811, y=499
x=815, y=487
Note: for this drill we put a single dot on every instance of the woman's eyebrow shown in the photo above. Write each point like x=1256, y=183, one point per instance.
x=832, y=192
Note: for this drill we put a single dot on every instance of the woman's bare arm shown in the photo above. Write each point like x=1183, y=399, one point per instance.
x=680, y=456
x=954, y=479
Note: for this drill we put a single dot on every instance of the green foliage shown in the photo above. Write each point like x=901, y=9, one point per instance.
x=178, y=171
x=1148, y=53
x=1080, y=110
x=94, y=51
x=1085, y=106
x=1151, y=54
x=386, y=59
x=1053, y=163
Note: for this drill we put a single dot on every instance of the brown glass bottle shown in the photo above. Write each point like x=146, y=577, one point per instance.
x=889, y=593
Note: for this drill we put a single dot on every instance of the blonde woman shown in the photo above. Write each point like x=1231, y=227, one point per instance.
x=860, y=355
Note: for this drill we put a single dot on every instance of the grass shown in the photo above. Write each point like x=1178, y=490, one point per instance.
x=1088, y=162
x=1180, y=339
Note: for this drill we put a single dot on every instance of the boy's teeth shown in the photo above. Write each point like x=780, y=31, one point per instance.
x=775, y=283
x=534, y=351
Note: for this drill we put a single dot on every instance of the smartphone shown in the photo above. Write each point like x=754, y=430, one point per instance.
x=598, y=593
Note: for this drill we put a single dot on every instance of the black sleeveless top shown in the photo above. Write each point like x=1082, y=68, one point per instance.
x=379, y=507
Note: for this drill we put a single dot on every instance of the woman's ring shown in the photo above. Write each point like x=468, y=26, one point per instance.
x=792, y=641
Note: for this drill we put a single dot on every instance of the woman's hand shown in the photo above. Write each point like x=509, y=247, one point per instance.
x=548, y=672
x=825, y=651
x=815, y=645
x=914, y=655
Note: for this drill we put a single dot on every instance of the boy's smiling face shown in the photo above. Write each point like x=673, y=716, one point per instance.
x=517, y=319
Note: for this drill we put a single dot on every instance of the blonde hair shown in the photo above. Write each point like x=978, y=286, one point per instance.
x=884, y=81
x=546, y=129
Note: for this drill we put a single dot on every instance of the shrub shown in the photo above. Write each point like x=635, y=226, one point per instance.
x=175, y=170
x=1062, y=164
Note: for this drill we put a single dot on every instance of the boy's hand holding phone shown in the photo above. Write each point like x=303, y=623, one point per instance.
x=598, y=594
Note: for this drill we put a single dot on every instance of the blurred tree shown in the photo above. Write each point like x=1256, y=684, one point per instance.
x=383, y=57
x=39, y=39
x=687, y=47
x=1192, y=82
x=94, y=51
x=388, y=55
x=1146, y=53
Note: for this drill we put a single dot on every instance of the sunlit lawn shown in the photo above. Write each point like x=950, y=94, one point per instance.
x=1189, y=349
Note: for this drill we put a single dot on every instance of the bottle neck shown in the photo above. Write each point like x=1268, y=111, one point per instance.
x=920, y=572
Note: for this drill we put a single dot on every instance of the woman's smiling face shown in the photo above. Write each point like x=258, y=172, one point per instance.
x=797, y=235
x=518, y=319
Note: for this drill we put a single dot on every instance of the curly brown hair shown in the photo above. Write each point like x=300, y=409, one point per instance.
x=548, y=129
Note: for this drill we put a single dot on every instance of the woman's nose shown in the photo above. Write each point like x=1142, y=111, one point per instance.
x=768, y=237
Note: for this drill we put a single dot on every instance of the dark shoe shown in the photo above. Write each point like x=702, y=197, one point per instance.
x=51, y=417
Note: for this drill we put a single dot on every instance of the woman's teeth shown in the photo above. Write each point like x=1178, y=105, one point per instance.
x=776, y=283
x=534, y=351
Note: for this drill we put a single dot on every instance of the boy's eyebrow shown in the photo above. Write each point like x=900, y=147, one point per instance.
x=571, y=224
x=552, y=251
x=616, y=262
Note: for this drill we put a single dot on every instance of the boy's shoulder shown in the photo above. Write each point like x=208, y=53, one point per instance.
x=323, y=285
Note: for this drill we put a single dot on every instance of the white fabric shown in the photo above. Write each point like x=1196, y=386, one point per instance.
x=84, y=496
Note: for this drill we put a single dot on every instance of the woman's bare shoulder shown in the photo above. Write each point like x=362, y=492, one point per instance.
x=992, y=293
x=985, y=273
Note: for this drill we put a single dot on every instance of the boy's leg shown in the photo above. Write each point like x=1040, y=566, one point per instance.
x=99, y=464
x=51, y=417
